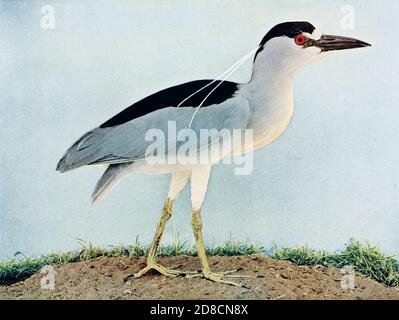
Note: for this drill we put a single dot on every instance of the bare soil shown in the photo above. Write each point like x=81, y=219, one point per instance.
x=102, y=278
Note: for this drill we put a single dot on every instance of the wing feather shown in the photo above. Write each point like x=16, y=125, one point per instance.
x=127, y=142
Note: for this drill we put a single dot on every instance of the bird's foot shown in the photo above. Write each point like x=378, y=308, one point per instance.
x=221, y=277
x=161, y=269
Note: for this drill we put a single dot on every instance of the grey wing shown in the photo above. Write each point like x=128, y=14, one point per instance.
x=129, y=141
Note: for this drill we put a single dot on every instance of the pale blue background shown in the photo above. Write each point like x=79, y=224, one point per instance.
x=333, y=175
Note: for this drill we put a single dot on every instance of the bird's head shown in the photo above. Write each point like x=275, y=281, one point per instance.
x=291, y=45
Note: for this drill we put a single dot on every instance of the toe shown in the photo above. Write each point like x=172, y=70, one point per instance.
x=220, y=279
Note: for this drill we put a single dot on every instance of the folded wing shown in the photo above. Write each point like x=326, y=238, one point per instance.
x=122, y=139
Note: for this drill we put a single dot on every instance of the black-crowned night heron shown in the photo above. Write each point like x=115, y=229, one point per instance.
x=263, y=105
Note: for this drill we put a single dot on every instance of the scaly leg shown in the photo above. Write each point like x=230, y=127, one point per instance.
x=177, y=183
x=219, y=277
x=151, y=263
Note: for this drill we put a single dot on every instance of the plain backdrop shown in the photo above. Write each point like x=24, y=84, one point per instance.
x=332, y=176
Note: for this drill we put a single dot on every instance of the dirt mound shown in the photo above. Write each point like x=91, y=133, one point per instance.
x=102, y=278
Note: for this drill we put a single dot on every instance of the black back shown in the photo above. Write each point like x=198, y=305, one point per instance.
x=173, y=96
x=287, y=29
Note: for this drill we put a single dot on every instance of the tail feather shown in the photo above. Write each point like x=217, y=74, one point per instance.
x=84, y=151
x=110, y=178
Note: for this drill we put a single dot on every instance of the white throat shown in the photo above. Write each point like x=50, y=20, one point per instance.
x=270, y=95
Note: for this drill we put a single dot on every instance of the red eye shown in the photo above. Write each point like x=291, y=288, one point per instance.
x=300, y=40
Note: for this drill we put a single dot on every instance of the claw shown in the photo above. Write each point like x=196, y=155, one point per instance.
x=221, y=277
x=161, y=269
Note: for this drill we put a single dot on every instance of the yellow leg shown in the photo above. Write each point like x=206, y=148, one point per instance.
x=219, y=277
x=165, y=216
x=151, y=263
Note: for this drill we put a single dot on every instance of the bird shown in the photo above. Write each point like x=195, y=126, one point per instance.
x=264, y=105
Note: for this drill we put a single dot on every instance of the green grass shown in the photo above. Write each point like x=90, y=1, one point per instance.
x=365, y=258
x=15, y=270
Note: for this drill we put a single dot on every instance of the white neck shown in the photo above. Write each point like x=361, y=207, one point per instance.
x=270, y=95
